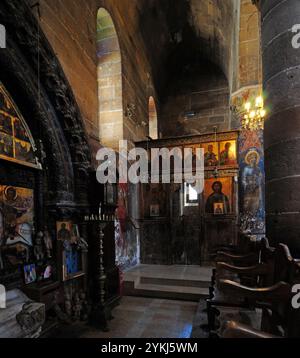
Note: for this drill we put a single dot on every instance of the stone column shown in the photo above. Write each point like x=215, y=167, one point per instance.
x=281, y=81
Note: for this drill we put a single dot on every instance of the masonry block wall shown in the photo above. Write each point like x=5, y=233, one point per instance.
x=200, y=104
x=71, y=28
x=250, y=45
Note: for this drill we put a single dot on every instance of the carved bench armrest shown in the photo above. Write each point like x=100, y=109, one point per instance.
x=238, y=330
x=236, y=256
x=281, y=292
x=228, y=248
x=259, y=269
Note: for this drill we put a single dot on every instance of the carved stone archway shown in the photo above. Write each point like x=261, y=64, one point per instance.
x=53, y=116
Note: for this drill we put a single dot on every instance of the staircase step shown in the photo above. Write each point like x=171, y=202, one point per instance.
x=188, y=283
x=185, y=293
x=174, y=282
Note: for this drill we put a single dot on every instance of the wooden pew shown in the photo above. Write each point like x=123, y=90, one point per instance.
x=247, y=253
x=279, y=318
x=259, y=274
x=246, y=244
x=234, y=329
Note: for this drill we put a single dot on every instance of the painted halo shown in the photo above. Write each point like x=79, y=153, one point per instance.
x=250, y=154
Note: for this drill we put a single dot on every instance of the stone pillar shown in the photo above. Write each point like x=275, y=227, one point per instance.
x=281, y=81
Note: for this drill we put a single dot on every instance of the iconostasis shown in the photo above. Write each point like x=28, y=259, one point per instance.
x=181, y=226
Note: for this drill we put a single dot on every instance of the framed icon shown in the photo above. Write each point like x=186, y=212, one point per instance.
x=154, y=210
x=228, y=153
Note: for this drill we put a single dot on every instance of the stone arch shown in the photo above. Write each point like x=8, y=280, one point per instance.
x=109, y=80
x=153, y=120
x=56, y=118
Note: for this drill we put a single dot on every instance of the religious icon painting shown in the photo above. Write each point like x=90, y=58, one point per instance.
x=24, y=151
x=48, y=272
x=228, y=153
x=211, y=154
x=20, y=131
x=218, y=208
x=6, y=145
x=18, y=214
x=218, y=196
x=154, y=210
x=30, y=274
x=64, y=230
x=5, y=124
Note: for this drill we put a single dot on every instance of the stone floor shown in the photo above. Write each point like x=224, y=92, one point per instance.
x=137, y=317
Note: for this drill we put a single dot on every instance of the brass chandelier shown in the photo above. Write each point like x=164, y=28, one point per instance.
x=254, y=114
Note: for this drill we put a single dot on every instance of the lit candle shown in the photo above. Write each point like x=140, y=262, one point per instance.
x=100, y=211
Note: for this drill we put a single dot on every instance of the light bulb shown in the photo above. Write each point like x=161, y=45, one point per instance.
x=259, y=101
x=248, y=106
x=263, y=113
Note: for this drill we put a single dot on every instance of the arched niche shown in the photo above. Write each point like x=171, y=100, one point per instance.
x=109, y=81
x=153, y=124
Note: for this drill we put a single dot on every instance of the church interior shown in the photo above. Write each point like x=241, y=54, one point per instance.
x=80, y=258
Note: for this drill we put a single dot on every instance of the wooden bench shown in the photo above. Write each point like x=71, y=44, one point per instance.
x=278, y=318
x=259, y=276
x=247, y=253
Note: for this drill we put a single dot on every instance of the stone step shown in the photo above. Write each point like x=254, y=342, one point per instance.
x=174, y=282
x=185, y=293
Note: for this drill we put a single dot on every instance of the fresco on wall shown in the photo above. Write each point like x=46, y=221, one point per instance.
x=125, y=237
x=252, y=181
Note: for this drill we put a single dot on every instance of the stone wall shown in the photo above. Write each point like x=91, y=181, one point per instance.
x=71, y=28
x=197, y=104
x=250, y=72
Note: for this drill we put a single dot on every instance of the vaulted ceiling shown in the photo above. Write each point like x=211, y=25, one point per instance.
x=181, y=35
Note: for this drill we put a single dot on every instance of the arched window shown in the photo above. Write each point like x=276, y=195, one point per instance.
x=109, y=81
x=153, y=127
